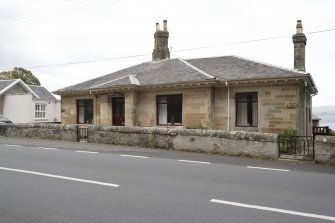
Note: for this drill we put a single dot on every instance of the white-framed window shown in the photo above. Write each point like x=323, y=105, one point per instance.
x=40, y=110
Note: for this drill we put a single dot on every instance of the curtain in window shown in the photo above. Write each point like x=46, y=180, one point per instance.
x=81, y=114
x=254, y=114
x=162, y=111
x=242, y=114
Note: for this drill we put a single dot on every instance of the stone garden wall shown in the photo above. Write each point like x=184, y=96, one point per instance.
x=40, y=131
x=237, y=143
x=325, y=149
x=195, y=140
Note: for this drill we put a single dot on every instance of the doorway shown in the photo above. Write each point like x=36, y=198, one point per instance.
x=118, y=111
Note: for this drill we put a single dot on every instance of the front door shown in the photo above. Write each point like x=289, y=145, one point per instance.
x=118, y=111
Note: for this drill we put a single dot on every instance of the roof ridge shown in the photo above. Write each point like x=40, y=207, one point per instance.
x=268, y=64
x=197, y=69
x=119, y=78
x=133, y=79
x=34, y=85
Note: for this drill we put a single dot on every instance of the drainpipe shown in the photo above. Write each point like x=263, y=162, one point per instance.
x=228, y=126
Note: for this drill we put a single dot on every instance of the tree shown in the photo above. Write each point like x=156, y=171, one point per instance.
x=18, y=72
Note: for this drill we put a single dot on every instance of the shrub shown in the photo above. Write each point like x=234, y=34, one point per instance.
x=286, y=138
x=289, y=132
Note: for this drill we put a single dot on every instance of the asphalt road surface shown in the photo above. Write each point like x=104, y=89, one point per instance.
x=51, y=181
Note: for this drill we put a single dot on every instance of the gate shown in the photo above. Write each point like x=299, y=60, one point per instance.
x=82, y=133
x=296, y=147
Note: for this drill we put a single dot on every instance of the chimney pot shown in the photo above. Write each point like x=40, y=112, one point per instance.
x=165, y=25
x=157, y=26
x=299, y=26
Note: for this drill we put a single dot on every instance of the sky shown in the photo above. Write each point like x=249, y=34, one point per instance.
x=64, y=42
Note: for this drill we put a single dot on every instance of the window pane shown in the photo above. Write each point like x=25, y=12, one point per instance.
x=241, y=97
x=254, y=114
x=242, y=114
x=85, y=111
x=162, y=99
x=40, y=110
x=169, y=108
x=162, y=114
x=246, y=109
x=81, y=115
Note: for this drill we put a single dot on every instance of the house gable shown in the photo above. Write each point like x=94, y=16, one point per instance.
x=15, y=87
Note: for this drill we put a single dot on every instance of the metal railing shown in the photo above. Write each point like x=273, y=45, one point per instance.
x=318, y=130
x=82, y=133
x=296, y=147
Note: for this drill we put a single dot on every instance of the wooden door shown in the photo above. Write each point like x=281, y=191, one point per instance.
x=118, y=111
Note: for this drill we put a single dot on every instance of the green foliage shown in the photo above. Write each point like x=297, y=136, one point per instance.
x=332, y=132
x=289, y=132
x=20, y=73
x=286, y=137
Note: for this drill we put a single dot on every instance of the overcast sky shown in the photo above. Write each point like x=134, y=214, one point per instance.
x=37, y=33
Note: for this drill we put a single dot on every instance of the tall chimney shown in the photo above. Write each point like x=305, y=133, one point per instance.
x=299, y=41
x=161, y=47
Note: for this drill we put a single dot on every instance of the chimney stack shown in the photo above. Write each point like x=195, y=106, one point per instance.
x=165, y=25
x=299, y=41
x=161, y=47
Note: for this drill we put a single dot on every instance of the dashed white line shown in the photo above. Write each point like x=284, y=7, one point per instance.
x=263, y=168
x=60, y=177
x=194, y=161
x=81, y=151
x=47, y=148
x=14, y=145
x=330, y=218
x=133, y=156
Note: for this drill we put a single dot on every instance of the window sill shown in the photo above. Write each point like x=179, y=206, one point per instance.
x=41, y=120
x=177, y=124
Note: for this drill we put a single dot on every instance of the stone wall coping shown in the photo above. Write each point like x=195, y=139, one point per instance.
x=236, y=135
x=41, y=125
x=330, y=140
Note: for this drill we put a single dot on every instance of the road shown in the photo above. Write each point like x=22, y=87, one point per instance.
x=52, y=181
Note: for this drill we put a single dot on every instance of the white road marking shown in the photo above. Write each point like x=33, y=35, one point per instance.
x=142, y=157
x=47, y=148
x=81, y=151
x=330, y=218
x=14, y=145
x=263, y=168
x=194, y=161
x=60, y=177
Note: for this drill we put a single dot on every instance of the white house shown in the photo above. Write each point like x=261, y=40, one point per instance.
x=23, y=103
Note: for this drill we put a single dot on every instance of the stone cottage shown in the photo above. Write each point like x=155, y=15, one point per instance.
x=226, y=93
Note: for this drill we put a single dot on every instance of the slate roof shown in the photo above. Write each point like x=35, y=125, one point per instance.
x=172, y=71
x=314, y=117
x=5, y=83
x=41, y=92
